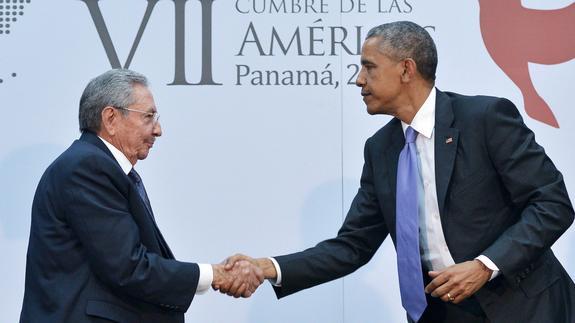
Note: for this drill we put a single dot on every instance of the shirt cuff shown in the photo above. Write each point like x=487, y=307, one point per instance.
x=206, y=278
x=278, y=281
x=489, y=264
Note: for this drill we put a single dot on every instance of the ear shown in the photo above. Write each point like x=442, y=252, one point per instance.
x=409, y=70
x=109, y=120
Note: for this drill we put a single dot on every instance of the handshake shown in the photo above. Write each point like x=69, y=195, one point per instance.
x=240, y=275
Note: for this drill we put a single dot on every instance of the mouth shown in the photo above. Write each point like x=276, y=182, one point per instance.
x=365, y=95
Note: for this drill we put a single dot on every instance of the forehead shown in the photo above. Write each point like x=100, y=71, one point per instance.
x=372, y=51
x=141, y=95
x=372, y=43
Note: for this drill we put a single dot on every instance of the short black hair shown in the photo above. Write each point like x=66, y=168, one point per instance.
x=403, y=39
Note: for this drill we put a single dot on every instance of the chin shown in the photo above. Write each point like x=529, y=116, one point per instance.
x=373, y=111
x=143, y=156
x=377, y=109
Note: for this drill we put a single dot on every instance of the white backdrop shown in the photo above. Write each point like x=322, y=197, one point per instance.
x=260, y=169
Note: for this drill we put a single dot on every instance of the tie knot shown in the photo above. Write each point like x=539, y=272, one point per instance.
x=410, y=135
x=134, y=176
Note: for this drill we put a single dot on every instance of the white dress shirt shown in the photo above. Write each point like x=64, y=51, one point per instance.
x=206, y=271
x=433, y=248
x=434, y=251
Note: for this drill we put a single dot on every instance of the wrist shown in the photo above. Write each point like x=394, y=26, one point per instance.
x=484, y=267
x=217, y=274
x=267, y=267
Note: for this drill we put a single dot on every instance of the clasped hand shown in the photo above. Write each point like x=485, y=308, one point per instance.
x=458, y=282
x=239, y=279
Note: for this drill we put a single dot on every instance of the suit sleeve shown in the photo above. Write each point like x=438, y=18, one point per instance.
x=358, y=239
x=535, y=187
x=99, y=215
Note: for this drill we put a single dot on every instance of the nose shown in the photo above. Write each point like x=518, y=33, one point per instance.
x=360, y=80
x=157, y=131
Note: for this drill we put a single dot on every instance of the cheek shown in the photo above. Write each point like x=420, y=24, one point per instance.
x=386, y=85
x=379, y=89
x=142, y=142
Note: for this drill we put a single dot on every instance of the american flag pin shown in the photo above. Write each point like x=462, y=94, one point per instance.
x=449, y=140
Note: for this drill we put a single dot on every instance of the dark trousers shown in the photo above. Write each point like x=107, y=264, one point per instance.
x=438, y=311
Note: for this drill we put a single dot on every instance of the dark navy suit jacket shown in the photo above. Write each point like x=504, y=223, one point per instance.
x=498, y=193
x=95, y=253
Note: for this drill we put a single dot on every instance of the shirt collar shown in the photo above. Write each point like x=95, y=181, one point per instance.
x=119, y=156
x=424, y=120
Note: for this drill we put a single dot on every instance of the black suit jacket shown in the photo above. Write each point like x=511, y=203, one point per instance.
x=498, y=193
x=95, y=254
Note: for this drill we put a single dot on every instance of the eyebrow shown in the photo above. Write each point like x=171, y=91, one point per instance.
x=366, y=62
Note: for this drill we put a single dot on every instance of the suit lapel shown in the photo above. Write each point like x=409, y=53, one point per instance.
x=446, y=141
x=161, y=242
x=163, y=246
x=396, y=143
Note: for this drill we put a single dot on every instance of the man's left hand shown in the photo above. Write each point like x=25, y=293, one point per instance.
x=458, y=282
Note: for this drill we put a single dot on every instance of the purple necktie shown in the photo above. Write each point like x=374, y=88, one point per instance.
x=407, y=230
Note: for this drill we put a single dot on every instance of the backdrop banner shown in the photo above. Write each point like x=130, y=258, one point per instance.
x=263, y=126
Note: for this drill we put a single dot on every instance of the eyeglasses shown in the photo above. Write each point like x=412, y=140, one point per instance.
x=154, y=117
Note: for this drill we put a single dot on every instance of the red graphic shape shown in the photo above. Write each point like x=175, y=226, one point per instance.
x=515, y=36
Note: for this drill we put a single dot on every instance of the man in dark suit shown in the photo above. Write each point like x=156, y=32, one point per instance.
x=471, y=201
x=95, y=252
